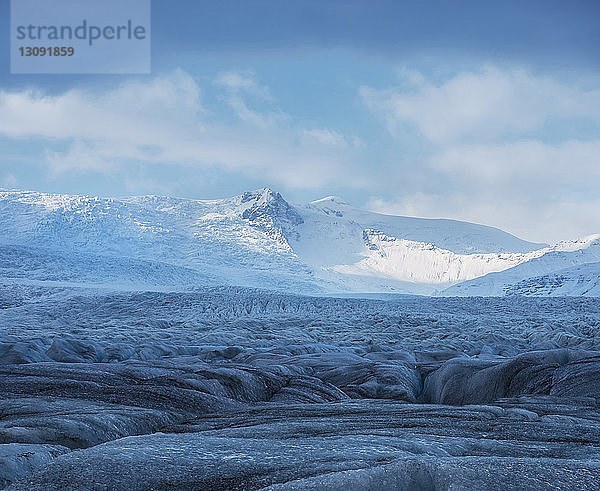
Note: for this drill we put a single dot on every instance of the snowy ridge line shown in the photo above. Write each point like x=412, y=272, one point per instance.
x=258, y=239
x=568, y=269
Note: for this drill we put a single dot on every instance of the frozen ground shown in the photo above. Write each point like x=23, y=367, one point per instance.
x=255, y=318
x=231, y=388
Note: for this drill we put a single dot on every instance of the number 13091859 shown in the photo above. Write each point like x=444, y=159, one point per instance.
x=47, y=51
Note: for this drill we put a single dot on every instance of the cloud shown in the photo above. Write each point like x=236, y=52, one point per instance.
x=126, y=113
x=511, y=164
x=325, y=137
x=503, y=147
x=163, y=121
x=547, y=221
x=538, y=191
x=238, y=82
x=479, y=106
x=238, y=87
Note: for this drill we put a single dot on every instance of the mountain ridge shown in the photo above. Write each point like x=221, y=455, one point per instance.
x=259, y=239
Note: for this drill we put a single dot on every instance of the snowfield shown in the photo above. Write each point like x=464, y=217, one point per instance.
x=260, y=240
x=567, y=269
x=582, y=280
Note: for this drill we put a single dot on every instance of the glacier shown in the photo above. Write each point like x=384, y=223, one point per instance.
x=252, y=343
x=236, y=388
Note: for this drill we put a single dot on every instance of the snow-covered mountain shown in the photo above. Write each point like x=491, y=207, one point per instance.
x=568, y=268
x=232, y=241
x=259, y=239
x=581, y=280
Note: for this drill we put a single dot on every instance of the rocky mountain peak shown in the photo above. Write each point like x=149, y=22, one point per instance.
x=268, y=207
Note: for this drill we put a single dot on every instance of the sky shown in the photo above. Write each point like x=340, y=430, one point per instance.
x=480, y=111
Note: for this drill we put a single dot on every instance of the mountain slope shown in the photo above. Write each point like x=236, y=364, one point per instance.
x=582, y=281
x=349, y=246
x=259, y=239
x=456, y=236
x=232, y=241
x=570, y=258
x=26, y=264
